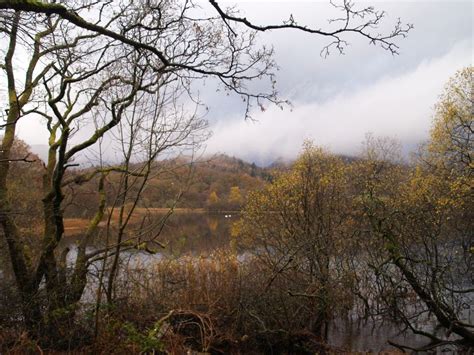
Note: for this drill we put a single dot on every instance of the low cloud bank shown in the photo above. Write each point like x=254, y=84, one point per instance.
x=399, y=107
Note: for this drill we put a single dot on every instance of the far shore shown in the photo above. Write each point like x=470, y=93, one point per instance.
x=75, y=226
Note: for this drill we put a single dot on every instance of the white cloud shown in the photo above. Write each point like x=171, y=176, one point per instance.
x=401, y=107
x=337, y=100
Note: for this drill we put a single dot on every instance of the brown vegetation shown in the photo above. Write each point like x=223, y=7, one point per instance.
x=327, y=238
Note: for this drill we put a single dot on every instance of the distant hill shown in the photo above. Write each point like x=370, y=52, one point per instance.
x=281, y=164
x=217, y=182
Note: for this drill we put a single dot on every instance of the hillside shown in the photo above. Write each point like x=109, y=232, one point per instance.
x=215, y=183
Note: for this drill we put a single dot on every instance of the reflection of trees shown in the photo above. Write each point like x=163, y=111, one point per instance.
x=213, y=223
x=198, y=233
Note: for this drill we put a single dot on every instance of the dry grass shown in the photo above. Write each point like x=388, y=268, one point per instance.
x=219, y=304
x=216, y=304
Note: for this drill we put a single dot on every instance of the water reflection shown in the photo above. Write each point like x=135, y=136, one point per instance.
x=201, y=233
x=369, y=336
x=187, y=233
x=196, y=234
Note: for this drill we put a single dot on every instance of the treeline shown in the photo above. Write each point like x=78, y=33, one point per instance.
x=375, y=238
x=216, y=183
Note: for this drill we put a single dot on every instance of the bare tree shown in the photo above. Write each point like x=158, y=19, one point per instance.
x=221, y=45
x=100, y=59
x=417, y=268
x=79, y=82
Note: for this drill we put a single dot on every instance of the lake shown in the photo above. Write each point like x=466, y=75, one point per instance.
x=199, y=233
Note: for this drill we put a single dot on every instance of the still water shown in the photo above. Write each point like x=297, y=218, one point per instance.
x=201, y=233
x=183, y=233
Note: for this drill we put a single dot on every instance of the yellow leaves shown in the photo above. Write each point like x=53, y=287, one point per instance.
x=236, y=229
x=213, y=224
x=235, y=196
x=298, y=204
x=213, y=198
x=452, y=144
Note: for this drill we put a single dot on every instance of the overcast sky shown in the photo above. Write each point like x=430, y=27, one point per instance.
x=337, y=100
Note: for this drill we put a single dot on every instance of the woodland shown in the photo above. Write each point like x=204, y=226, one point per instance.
x=94, y=257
